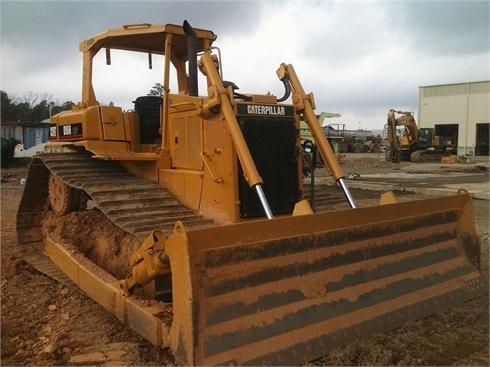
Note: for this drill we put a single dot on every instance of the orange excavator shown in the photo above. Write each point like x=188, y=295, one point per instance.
x=219, y=256
x=414, y=144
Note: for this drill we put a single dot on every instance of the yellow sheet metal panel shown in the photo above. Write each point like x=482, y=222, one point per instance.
x=92, y=125
x=112, y=123
x=219, y=199
x=184, y=184
x=143, y=38
x=132, y=128
x=88, y=117
x=186, y=141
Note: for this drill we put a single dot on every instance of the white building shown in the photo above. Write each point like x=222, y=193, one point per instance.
x=459, y=111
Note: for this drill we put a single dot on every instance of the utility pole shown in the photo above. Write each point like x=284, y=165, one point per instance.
x=50, y=106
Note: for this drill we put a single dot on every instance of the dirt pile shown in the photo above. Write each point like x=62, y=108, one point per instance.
x=95, y=236
x=46, y=323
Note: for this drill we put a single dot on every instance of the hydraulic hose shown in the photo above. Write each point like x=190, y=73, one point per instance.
x=287, y=89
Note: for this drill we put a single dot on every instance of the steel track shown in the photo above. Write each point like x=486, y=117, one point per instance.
x=131, y=203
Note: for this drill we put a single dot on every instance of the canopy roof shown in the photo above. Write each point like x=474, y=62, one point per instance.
x=145, y=37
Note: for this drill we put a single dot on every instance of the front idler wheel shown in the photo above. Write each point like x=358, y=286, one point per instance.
x=63, y=198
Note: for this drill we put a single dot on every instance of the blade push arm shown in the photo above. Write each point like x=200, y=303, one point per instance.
x=304, y=104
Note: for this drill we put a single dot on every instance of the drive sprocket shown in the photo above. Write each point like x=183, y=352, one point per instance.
x=60, y=195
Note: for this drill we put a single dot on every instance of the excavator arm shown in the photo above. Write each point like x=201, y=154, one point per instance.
x=405, y=119
x=410, y=136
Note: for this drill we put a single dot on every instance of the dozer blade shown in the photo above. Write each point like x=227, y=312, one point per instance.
x=288, y=290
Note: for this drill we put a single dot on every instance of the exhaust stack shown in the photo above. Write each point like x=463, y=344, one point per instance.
x=192, y=57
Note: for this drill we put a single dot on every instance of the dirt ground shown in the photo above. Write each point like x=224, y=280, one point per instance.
x=46, y=323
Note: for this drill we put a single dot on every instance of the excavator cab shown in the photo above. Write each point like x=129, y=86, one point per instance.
x=210, y=189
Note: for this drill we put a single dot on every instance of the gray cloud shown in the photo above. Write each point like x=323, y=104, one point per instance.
x=51, y=30
x=444, y=27
x=359, y=58
x=52, y=19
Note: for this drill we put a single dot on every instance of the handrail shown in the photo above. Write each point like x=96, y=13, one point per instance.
x=137, y=25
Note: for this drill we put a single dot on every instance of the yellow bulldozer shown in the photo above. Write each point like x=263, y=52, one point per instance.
x=222, y=259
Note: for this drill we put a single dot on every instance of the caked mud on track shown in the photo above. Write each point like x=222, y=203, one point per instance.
x=134, y=205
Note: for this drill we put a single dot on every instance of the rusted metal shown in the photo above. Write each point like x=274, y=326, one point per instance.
x=33, y=204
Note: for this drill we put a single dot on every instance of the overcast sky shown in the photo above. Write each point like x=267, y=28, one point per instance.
x=359, y=58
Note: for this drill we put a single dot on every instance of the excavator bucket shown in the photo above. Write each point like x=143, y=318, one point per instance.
x=288, y=290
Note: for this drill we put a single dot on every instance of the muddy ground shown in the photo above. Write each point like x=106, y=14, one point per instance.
x=46, y=323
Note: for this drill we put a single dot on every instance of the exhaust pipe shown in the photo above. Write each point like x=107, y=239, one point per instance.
x=192, y=57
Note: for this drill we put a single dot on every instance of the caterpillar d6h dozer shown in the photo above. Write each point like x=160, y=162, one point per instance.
x=229, y=264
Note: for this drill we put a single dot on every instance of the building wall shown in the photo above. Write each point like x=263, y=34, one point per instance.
x=27, y=135
x=465, y=104
x=8, y=132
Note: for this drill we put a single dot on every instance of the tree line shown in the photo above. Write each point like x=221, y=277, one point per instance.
x=31, y=107
x=35, y=107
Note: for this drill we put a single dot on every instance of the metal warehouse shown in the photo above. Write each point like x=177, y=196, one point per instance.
x=28, y=133
x=459, y=111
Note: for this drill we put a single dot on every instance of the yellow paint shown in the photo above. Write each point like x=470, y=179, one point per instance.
x=112, y=123
x=185, y=133
x=387, y=198
x=451, y=159
x=220, y=198
x=302, y=207
x=186, y=185
x=131, y=126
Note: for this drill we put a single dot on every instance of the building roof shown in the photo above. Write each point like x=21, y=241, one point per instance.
x=24, y=123
x=461, y=83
